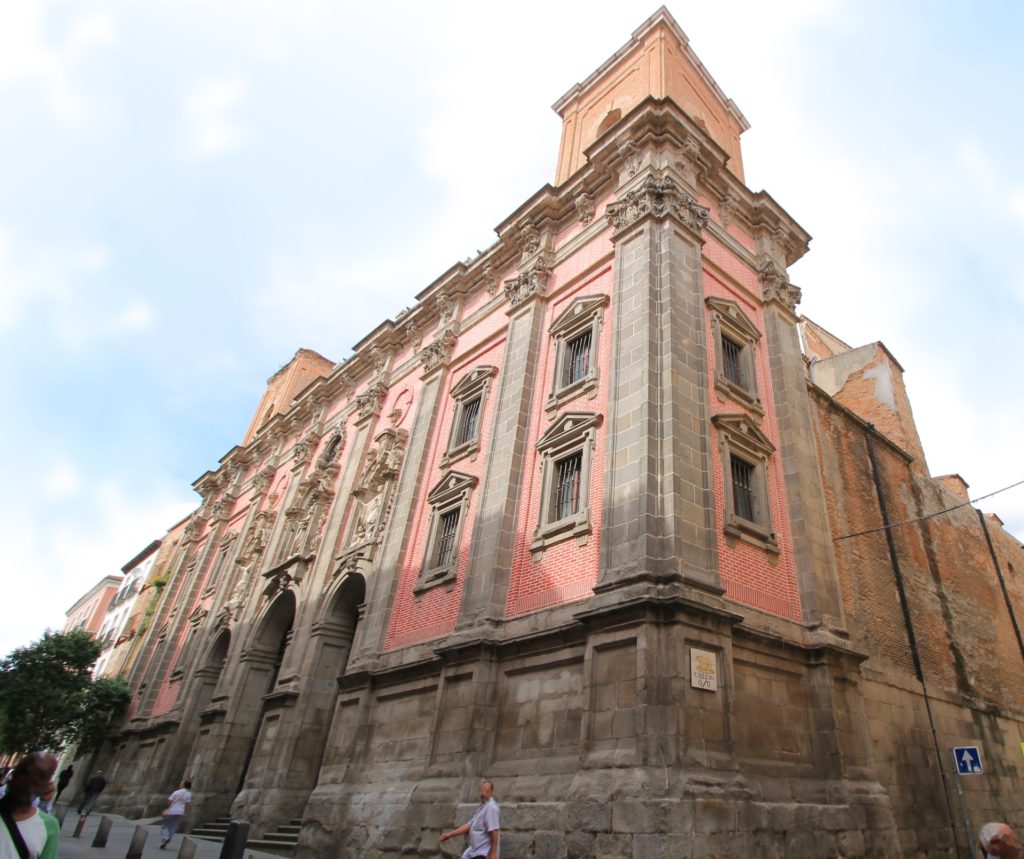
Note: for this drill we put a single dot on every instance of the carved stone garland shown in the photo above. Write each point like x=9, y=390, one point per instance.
x=775, y=286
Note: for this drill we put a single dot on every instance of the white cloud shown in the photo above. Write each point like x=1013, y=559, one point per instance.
x=29, y=56
x=135, y=317
x=210, y=127
x=62, y=481
x=53, y=558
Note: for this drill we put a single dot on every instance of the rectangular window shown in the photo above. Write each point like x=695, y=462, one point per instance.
x=743, y=489
x=576, y=364
x=469, y=417
x=447, y=528
x=566, y=501
x=732, y=359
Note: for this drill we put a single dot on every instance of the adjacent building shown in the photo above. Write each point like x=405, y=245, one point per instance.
x=603, y=519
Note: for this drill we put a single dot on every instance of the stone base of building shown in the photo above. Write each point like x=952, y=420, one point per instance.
x=645, y=813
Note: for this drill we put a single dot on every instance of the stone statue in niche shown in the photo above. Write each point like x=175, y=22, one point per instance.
x=374, y=491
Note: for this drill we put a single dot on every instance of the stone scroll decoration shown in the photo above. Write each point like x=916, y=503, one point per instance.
x=533, y=281
x=438, y=352
x=374, y=496
x=371, y=401
x=305, y=518
x=657, y=197
x=775, y=286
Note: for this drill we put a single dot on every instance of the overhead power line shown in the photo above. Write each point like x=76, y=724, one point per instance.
x=929, y=515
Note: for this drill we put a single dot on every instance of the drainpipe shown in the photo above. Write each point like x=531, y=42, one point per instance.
x=911, y=637
x=1002, y=581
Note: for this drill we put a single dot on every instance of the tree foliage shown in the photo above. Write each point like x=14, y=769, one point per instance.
x=49, y=699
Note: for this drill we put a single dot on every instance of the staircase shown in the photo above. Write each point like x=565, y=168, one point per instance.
x=281, y=842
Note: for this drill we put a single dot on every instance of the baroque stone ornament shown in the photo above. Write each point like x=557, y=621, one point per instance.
x=631, y=155
x=374, y=488
x=446, y=309
x=192, y=529
x=775, y=286
x=658, y=198
x=261, y=482
x=490, y=280
x=369, y=403
x=727, y=208
x=529, y=240
x=533, y=281
x=379, y=358
x=585, y=208
x=438, y=353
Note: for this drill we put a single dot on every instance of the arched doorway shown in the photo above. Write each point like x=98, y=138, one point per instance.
x=268, y=649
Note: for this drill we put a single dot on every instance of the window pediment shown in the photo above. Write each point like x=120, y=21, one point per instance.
x=451, y=486
x=473, y=382
x=734, y=318
x=567, y=429
x=744, y=434
x=579, y=315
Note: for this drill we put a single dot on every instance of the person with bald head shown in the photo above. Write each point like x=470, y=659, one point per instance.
x=999, y=841
x=29, y=833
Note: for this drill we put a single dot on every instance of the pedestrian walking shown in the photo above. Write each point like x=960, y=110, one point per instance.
x=177, y=807
x=93, y=788
x=484, y=827
x=63, y=780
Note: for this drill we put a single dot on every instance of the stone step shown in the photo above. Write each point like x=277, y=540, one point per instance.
x=279, y=848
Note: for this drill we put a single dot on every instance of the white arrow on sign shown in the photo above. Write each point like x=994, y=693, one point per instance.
x=970, y=764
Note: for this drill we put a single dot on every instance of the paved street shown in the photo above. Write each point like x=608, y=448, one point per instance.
x=121, y=835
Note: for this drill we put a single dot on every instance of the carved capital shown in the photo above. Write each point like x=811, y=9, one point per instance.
x=727, y=205
x=261, y=482
x=631, y=157
x=193, y=528
x=657, y=198
x=775, y=286
x=533, y=281
x=369, y=402
x=439, y=352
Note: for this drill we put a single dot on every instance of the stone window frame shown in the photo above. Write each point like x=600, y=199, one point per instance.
x=584, y=313
x=571, y=433
x=739, y=436
x=452, y=492
x=475, y=385
x=728, y=321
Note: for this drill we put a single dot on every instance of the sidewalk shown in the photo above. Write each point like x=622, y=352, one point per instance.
x=121, y=835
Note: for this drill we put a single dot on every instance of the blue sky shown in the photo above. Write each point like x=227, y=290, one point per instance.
x=191, y=191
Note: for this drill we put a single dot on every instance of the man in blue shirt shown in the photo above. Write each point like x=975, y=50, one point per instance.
x=484, y=827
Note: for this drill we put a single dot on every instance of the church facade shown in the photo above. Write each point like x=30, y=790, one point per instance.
x=602, y=519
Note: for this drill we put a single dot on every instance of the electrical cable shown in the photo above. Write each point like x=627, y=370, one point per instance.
x=929, y=515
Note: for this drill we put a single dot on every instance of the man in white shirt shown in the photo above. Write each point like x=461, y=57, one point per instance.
x=484, y=827
x=177, y=808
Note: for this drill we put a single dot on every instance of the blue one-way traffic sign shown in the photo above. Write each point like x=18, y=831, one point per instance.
x=968, y=760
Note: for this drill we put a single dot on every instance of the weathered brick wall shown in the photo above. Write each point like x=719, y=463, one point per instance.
x=972, y=663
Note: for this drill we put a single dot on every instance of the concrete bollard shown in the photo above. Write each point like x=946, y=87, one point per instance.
x=79, y=826
x=187, y=849
x=235, y=840
x=138, y=842
x=103, y=832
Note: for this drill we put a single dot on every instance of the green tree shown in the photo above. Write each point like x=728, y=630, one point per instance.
x=49, y=699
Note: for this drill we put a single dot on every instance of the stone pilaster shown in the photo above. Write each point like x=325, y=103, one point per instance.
x=485, y=588
x=808, y=518
x=383, y=579
x=659, y=502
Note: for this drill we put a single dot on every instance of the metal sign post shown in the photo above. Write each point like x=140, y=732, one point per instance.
x=967, y=760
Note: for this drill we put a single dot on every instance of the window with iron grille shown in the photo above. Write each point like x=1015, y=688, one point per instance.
x=735, y=340
x=566, y=487
x=732, y=366
x=469, y=397
x=447, y=528
x=743, y=500
x=469, y=417
x=576, y=335
x=576, y=363
x=746, y=454
x=449, y=503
